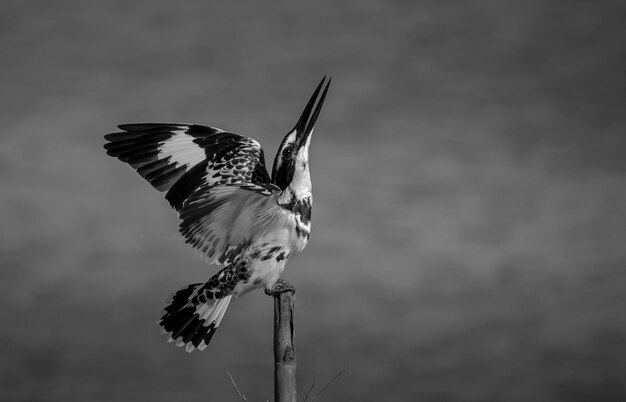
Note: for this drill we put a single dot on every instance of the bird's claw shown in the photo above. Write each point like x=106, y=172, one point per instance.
x=281, y=286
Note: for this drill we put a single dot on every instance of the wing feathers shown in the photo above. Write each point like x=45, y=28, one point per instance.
x=230, y=158
x=216, y=180
x=183, y=188
x=220, y=221
x=161, y=153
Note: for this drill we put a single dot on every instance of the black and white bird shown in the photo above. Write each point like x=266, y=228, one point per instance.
x=231, y=210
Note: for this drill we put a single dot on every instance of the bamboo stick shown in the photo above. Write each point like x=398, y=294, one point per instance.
x=284, y=347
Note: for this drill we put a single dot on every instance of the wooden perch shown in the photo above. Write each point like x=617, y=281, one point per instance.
x=284, y=347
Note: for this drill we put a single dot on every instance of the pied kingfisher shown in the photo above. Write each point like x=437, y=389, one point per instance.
x=231, y=210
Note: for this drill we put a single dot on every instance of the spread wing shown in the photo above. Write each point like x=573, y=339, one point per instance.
x=216, y=180
x=179, y=158
x=221, y=220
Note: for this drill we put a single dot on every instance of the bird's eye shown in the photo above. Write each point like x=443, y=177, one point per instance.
x=288, y=152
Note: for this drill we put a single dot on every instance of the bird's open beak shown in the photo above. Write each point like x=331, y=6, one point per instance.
x=306, y=122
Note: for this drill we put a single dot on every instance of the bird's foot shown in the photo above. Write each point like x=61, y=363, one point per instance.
x=281, y=286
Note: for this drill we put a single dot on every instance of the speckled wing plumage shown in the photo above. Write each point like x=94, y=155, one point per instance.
x=179, y=158
x=216, y=180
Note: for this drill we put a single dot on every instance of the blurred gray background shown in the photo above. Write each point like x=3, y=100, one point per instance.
x=469, y=173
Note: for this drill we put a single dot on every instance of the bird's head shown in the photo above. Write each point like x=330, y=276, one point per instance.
x=291, y=165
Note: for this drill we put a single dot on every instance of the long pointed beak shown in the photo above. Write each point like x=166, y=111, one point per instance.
x=306, y=122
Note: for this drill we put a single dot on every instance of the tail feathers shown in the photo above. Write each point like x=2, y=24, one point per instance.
x=190, y=322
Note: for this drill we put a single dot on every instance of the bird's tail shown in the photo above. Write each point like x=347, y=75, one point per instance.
x=191, y=318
